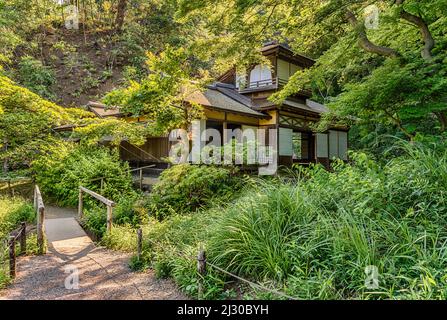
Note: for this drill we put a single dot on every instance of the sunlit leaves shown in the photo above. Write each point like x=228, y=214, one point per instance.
x=161, y=96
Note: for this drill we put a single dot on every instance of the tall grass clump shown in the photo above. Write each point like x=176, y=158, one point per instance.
x=170, y=247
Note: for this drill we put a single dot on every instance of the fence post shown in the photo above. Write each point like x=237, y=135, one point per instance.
x=80, y=205
x=11, y=193
x=23, y=239
x=109, y=219
x=139, y=242
x=141, y=179
x=102, y=184
x=35, y=197
x=201, y=268
x=12, y=257
x=40, y=230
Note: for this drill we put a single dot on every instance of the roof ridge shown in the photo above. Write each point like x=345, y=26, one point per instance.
x=233, y=94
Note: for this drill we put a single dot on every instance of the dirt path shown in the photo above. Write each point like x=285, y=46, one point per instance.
x=103, y=274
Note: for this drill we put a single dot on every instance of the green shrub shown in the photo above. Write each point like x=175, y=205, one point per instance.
x=170, y=247
x=136, y=264
x=66, y=166
x=185, y=188
x=127, y=215
x=36, y=77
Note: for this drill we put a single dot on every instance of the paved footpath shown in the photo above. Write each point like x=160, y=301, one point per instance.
x=103, y=274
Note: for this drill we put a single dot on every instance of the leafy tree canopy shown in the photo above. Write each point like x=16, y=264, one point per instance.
x=392, y=73
x=161, y=97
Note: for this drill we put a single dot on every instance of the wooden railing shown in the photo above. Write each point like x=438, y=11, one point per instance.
x=262, y=83
x=109, y=203
x=140, y=177
x=40, y=208
x=141, y=150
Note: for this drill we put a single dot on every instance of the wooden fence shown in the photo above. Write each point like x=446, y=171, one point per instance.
x=203, y=266
x=13, y=237
x=109, y=203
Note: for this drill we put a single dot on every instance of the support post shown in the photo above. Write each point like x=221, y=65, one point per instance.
x=11, y=193
x=102, y=185
x=40, y=230
x=201, y=269
x=141, y=179
x=109, y=219
x=80, y=205
x=23, y=239
x=12, y=257
x=139, y=242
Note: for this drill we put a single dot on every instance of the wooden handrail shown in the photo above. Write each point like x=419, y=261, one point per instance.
x=133, y=170
x=276, y=82
x=151, y=156
x=10, y=183
x=141, y=168
x=109, y=203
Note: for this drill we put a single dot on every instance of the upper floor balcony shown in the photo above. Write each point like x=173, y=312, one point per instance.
x=262, y=85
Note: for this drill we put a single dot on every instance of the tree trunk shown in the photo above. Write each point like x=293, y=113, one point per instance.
x=429, y=42
x=122, y=4
x=442, y=117
x=364, y=42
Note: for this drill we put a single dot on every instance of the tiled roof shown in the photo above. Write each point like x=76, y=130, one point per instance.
x=310, y=105
x=284, y=46
x=224, y=99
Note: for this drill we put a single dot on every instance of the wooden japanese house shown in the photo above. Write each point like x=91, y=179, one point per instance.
x=241, y=101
